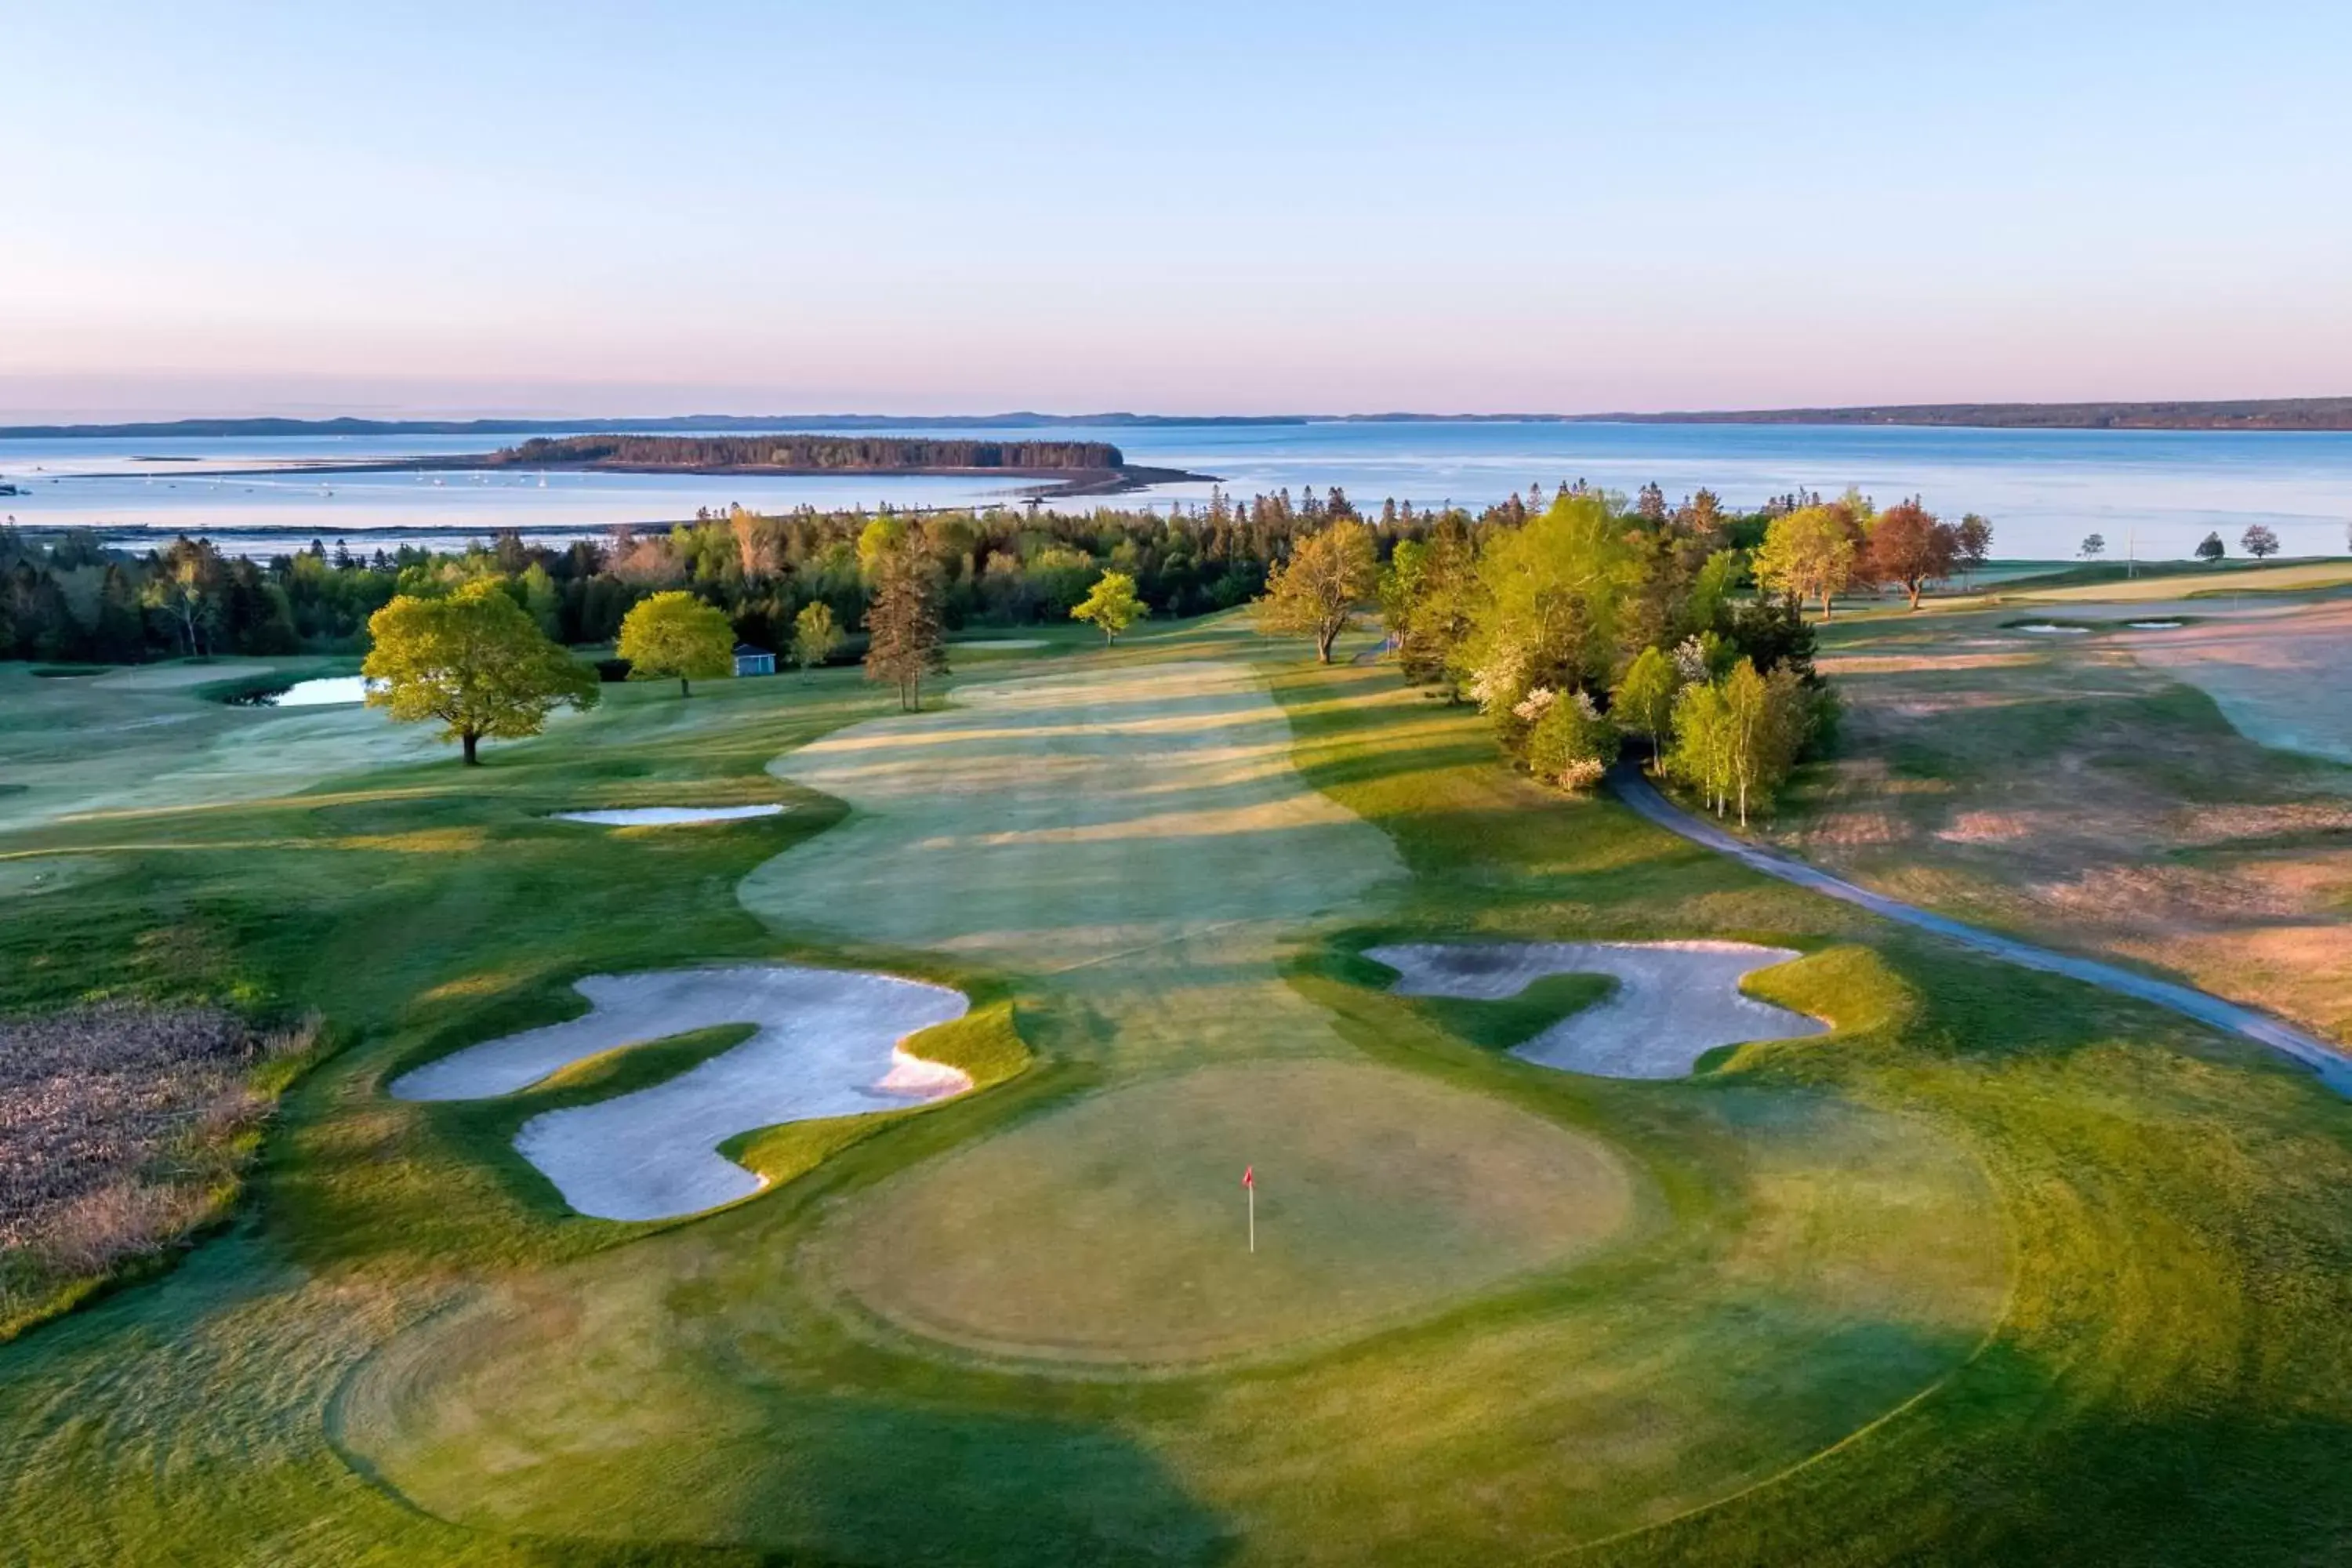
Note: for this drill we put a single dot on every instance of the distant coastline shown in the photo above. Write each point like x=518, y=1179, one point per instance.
x=2277, y=414
x=2289, y=414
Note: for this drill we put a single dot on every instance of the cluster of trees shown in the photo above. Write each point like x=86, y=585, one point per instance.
x=2259, y=540
x=1577, y=624
x=847, y=453
x=1816, y=552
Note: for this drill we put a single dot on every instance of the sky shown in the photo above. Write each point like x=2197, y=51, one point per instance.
x=877, y=206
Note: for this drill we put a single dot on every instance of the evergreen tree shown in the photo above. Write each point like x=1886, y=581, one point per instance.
x=908, y=639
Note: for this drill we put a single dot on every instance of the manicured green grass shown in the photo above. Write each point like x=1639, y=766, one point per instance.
x=2001, y=1271
x=1515, y=1020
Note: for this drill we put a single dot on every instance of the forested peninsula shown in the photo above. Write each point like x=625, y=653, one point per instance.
x=1069, y=468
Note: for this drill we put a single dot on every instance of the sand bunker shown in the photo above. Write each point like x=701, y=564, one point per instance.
x=2154, y=626
x=320, y=691
x=1675, y=1001
x=827, y=1046
x=661, y=815
x=2051, y=629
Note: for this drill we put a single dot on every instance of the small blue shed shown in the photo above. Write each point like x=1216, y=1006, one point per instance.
x=750, y=660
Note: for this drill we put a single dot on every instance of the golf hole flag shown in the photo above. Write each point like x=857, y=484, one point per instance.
x=1249, y=1185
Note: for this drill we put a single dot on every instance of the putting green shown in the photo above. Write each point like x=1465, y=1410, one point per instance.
x=1117, y=1230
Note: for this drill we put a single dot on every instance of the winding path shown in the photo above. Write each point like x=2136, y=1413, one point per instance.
x=1627, y=783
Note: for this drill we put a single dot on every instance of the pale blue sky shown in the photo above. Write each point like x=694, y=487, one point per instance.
x=1207, y=207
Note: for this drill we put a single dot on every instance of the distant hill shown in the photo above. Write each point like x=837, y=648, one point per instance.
x=2258, y=414
x=2255, y=414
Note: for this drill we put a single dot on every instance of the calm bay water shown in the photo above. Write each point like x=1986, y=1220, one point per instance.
x=2045, y=490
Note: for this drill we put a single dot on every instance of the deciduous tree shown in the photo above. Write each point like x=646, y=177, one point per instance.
x=1110, y=606
x=1910, y=547
x=2258, y=541
x=1315, y=592
x=2210, y=548
x=1427, y=597
x=676, y=634
x=1643, y=702
x=1807, y=554
x=474, y=661
x=815, y=635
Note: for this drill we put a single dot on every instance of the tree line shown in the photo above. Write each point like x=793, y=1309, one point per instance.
x=67, y=597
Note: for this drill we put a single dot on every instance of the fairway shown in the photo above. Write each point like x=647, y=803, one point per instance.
x=146, y=739
x=1063, y=821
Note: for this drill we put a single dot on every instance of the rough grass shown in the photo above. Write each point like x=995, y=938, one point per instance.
x=2069, y=793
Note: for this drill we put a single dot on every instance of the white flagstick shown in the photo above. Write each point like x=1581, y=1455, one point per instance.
x=1253, y=1209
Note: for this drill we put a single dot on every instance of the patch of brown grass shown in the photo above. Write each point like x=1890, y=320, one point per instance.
x=125, y=1127
x=2072, y=794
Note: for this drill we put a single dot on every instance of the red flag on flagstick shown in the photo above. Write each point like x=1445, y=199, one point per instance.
x=1249, y=1176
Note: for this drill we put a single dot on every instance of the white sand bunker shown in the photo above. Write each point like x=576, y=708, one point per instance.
x=663, y=815
x=2156, y=626
x=1674, y=1001
x=2051, y=629
x=827, y=1046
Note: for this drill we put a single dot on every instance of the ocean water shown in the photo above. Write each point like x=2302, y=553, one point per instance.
x=2156, y=492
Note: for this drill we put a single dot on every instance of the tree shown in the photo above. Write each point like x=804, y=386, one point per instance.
x=1315, y=592
x=1976, y=541
x=1427, y=596
x=1700, y=756
x=1111, y=606
x=2210, y=548
x=1570, y=743
x=676, y=634
x=1807, y=554
x=1737, y=739
x=815, y=635
x=1643, y=702
x=188, y=589
x=1765, y=722
x=1551, y=592
x=907, y=639
x=2094, y=546
x=473, y=660
x=1909, y=546
x=2258, y=541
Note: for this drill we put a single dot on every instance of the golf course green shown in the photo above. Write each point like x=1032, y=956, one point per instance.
x=1999, y=1269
